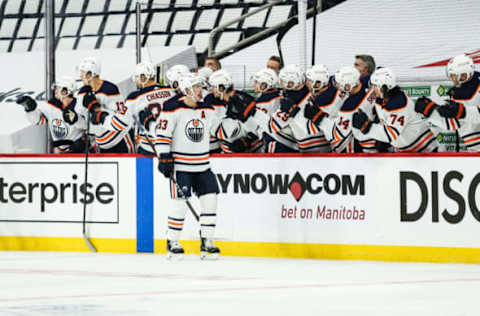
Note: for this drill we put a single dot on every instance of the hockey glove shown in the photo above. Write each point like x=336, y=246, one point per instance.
x=243, y=144
x=146, y=117
x=98, y=117
x=27, y=102
x=425, y=106
x=361, y=121
x=165, y=164
x=288, y=106
x=90, y=102
x=241, y=107
x=70, y=116
x=155, y=109
x=452, y=109
x=315, y=114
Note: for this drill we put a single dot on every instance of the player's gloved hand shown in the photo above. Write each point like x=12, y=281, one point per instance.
x=241, y=106
x=70, y=116
x=155, y=109
x=452, y=109
x=315, y=114
x=243, y=144
x=27, y=102
x=98, y=117
x=90, y=102
x=288, y=106
x=425, y=106
x=146, y=117
x=165, y=164
x=361, y=121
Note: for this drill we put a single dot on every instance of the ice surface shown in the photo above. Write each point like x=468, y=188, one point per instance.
x=49, y=283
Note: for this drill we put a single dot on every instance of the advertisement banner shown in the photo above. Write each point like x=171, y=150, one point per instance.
x=43, y=196
x=406, y=201
x=54, y=191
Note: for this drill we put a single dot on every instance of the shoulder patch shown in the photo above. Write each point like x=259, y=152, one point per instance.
x=173, y=104
x=327, y=97
x=397, y=102
x=297, y=96
x=353, y=102
x=268, y=96
x=133, y=95
x=84, y=89
x=467, y=90
x=55, y=103
x=109, y=88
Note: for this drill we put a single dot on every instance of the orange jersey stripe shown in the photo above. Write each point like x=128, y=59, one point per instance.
x=471, y=140
x=114, y=122
x=392, y=133
x=191, y=159
x=319, y=141
x=107, y=137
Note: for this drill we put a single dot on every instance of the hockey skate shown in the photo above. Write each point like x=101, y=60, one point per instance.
x=208, y=249
x=174, y=250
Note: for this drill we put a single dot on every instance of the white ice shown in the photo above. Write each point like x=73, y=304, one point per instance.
x=56, y=283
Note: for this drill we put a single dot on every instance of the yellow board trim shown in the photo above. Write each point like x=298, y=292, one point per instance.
x=337, y=252
x=258, y=249
x=67, y=244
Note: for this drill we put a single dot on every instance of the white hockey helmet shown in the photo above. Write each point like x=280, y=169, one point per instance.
x=205, y=73
x=221, y=80
x=293, y=74
x=89, y=64
x=384, y=77
x=347, y=78
x=458, y=65
x=67, y=83
x=175, y=73
x=266, y=76
x=188, y=81
x=144, y=68
x=318, y=73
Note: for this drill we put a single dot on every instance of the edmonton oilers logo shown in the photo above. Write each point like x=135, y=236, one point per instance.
x=194, y=130
x=59, y=129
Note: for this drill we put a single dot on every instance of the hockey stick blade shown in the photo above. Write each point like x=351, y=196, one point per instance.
x=187, y=201
x=89, y=244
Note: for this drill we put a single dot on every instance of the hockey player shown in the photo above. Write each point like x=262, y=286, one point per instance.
x=399, y=124
x=265, y=83
x=111, y=121
x=184, y=155
x=338, y=128
x=232, y=135
x=174, y=74
x=205, y=73
x=146, y=103
x=61, y=114
x=461, y=113
x=285, y=130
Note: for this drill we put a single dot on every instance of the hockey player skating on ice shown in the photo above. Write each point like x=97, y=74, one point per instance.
x=146, y=103
x=398, y=124
x=60, y=113
x=461, y=112
x=184, y=155
x=111, y=121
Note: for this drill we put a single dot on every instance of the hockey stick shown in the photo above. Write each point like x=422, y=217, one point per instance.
x=84, y=222
x=172, y=178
